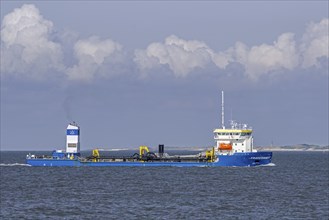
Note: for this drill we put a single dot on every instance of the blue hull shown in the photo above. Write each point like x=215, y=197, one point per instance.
x=237, y=159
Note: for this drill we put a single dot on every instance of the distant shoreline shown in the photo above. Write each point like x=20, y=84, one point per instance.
x=193, y=149
x=294, y=148
x=288, y=148
x=291, y=150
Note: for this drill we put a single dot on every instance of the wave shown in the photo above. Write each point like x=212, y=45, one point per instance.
x=14, y=164
x=268, y=165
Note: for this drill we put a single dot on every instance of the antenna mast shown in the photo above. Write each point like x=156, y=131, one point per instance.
x=223, y=123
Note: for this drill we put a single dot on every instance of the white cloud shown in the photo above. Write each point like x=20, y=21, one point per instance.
x=91, y=53
x=28, y=50
x=26, y=47
x=264, y=58
x=221, y=59
x=184, y=56
x=315, y=43
x=180, y=55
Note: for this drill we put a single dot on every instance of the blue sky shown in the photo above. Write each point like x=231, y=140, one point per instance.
x=149, y=73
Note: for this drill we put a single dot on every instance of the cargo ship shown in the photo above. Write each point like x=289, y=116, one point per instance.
x=233, y=147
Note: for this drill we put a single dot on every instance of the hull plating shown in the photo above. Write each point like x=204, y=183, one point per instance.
x=237, y=159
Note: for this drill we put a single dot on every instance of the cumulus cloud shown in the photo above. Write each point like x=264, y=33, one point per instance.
x=29, y=48
x=180, y=55
x=91, y=54
x=264, y=58
x=26, y=46
x=184, y=56
x=315, y=43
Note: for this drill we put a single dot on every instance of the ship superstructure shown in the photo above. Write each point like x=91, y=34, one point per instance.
x=233, y=140
x=236, y=139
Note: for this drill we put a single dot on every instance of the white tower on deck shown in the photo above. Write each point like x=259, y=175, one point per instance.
x=73, y=138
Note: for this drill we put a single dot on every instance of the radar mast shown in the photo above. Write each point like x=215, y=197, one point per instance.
x=223, y=122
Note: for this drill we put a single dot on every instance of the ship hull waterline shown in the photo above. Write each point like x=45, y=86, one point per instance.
x=237, y=159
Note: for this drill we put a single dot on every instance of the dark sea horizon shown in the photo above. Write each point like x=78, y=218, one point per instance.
x=297, y=187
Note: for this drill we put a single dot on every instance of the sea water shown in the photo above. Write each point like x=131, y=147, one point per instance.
x=296, y=187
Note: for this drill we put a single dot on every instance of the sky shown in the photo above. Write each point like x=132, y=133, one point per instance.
x=137, y=73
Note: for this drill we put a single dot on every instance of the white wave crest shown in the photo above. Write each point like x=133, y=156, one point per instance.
x=268, y=165
x=14, y=164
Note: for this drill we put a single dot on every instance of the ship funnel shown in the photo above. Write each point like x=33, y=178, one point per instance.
x=161, y=150
x=73, y=138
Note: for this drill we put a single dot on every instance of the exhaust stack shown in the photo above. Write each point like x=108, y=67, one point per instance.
x=73, y=138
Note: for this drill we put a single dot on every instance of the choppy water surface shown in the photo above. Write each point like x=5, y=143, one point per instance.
x=297, y=187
